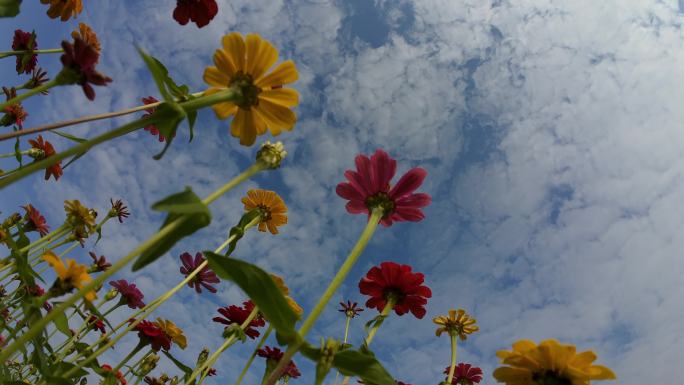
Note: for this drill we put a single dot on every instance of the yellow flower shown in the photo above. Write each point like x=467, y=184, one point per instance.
x=242, y=63
x=72, y=275
x=548, y=363
x=173, y=331
x=286, y=291
x=88, y=35
x=458, y=322
x=63, y=8
x=272, y=208
x=79, y=215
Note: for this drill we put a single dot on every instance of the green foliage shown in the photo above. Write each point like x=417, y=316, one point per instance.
x=76, y=139
x=238, y=231
x=185, y=207
x=184, y=368
x=357, y=363
x=9, y=8
x=62, y=324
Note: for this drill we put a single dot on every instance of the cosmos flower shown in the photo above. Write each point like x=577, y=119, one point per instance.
x=35, y=220
x=350, y=309
x=129, y=293
x=200, y=12
x=79, y=61
x=173, y=331
x=151, y=333
x=265, y=104
x=71, y=276
x=203, y=278
x=44, y=150
x=398, y=281
x=465, y=374
x=64, y=9
x=272, y=208
x=99, y=264
x=237, y=315
x=549, y=363
x=369, y=187
x=457, y=323
x=25, y=41
x=88, y=35
x=118, y=210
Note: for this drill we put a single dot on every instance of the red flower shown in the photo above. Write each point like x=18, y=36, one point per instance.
x=465, y=374
x=393, y=279
x=37, y=291
x=238, y=315
x=291, y=370
x=269, y=353
x=96, y=323
x=24, y=41
x=129, y=293
x=14, y=114
x=203, y=278
x=119, y=376
x=35, y=220
x=369, y=187
x=350, y=309
x=151, y=332
x=152, y=128
x=79, y=62
x=44, y=149
x=198, y=11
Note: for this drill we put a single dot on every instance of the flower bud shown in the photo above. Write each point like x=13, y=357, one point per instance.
x=271, y=154
x=111, y=295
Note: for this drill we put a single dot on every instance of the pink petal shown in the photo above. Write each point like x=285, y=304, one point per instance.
x=347, y=191
x=414, y=200
x=408, y=183
x=382, y=170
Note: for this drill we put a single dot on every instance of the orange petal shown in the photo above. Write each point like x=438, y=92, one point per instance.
x=261, y=55
x=284, y=73
x=277, y=117
x=283, y=96
x=234, y=45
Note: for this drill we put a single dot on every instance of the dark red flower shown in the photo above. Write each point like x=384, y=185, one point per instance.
x=119, y=376
x=211, y=372
x=99, y=264
x=269, y=353
x=291, y=370
x=198, y=11
x=369, y=187
x=129, y=293
x=151, y=127
x=43, y=149
x=203, y=278
x=79, y=62
x=237, y=315
x=96, y=323
x=152, y=333
x=24, y=41
x=465, y=374
x=393, y=279
x=37, y=291
x=14, y=114
x=35, y=221
x=350, y=309
x=118, y=210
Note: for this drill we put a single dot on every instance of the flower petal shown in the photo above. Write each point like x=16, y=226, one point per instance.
x=283, y=96
x=408, y=183
x=234, y=45
x=284, y=73
x=261, y=55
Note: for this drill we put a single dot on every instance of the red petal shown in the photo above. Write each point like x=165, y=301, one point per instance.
x=414, y=200
x=408, y=183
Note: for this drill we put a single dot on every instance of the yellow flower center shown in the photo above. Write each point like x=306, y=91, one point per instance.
x=550, y=377
x=250, y=92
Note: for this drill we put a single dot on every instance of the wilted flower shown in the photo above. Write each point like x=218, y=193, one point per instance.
x=25, y=41
x=79, y=61
x=199, y=12
x=129, y=293
x=238, y=315
x=465, y=374
x=38, y=77
x=35, y=220
x=350, y=309
x=118, y=210
x=269, y=353
x=271, y=207
x=398, y=281
x=205, y=275
x=71, y=276
x=99, y=264
x=43, y=149
x=63, y=9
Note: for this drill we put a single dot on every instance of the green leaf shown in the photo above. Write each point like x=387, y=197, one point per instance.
x=62, y=324
x=169, y=115
x=260, y=288
x=9, y=8
x=192, y=117
x=60, y=368
x=74, y=139
x=17, y=149
x=186, y=369
x=238, y=231
x=159, y=74
x=184, y=206
x=364, y=365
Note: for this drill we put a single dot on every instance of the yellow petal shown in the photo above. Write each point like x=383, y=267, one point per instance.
x=245, y=127
x=234, y=45
x=583, y=359
x=56, y=263
x=507, y=375
x=261, y=55
x=224, y=63
x=282, y=96
x=276, y=117
x=214, y=77
x=284, y=73
x=523, y=345
x=600, y=372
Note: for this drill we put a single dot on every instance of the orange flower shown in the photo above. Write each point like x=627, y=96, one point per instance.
x=72, y=275
x=272, y=208
x=88, y=35
x=64, y=9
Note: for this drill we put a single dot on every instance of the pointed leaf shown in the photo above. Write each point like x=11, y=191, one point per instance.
x=238, y=231
x=186, y=369
x=62, y=324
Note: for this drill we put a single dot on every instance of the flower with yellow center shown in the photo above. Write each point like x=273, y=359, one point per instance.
x=286, y=291
x=457, y=323
x=549, y=363
x=88, y=35
x=63, y=9
x=78, y=215
x=271, y=205
x=242, y=64
x=173, y=331
x=72, y=275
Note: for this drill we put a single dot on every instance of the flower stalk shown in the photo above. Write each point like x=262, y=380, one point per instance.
x=261, y=343
x=33, y=91
x=452, y=368
x=28, y=51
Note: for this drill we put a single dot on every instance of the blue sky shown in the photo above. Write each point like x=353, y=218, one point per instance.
x=551, y=133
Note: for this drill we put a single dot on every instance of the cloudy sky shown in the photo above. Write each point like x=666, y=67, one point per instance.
x=551, y=131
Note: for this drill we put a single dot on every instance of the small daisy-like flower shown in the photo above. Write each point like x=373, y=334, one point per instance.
x=96, y=323
x=119, y=376
x=78, y=215
x=118, y=210
x=465, y=374
x=88, y=35
x=64, y=9
x=14, y=114
x=99, y=264
x=200, y=12
x=173, y=331
x=271, y=207
x=237, y=315
x=203, y=278
x=35, y=221
x=273, y=354
x=350, y=309
x=43, y=149
x=151, y=333
x=129, y=293
x=398, y=281
x=25, y=41
x=242, y=63
x=549, y=363
x=369, y=187
x=457, y=323
x=79, y=61
x=70, y=276
x=149, y=111
x=38, y=77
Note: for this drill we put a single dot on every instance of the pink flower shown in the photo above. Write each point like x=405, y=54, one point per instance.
x=203, y=278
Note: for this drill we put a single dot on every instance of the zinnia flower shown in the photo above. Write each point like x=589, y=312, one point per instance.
x=24, y=41
x=549, y=363
x=119, y=376
x=280, y=282
x=369, y=188
x=269, y=353
x=174, y=332
x=44, y=150
x=394, y=280
x=271, y=206
x=79, y=216
x=291, y=370
x=199, y=12
x=350, y=309
x=118, y=210
x=203, y=278
x=14, y=114
x=129, y=293
x=71, y=276
x=151, y=127
x=35, y=220
x=465, y=374
x=63, y=9
x=99, y=264
x=154, y=335
x=88, y=35
x=79, y=62
x=238, y=315
x=96, y=323
x=457, y=323
x=242, y=63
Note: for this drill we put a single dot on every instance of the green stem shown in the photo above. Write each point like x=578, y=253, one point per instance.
x=385, y=312
x=48, y=237
x=452, y=368
x=128, y=357
x=261, y=343
x=27, y=51
x=29, y=93
x=346, y=267
x=13, y=154
x=346, y=334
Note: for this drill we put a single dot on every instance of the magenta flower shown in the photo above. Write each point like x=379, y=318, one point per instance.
x=24, y=41
x=465, y=374
x=79, y=59
x=130, y=294
x=369, y=187
x=203, y=278
x=238, y=315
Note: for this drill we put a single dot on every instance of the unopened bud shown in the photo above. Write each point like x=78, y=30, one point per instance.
x=271, y=154
x=111, y=295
